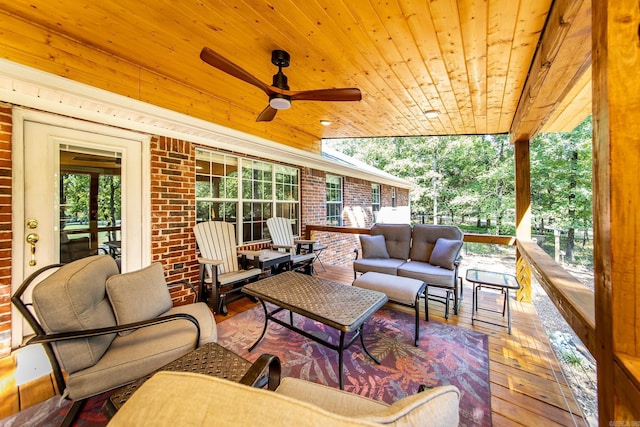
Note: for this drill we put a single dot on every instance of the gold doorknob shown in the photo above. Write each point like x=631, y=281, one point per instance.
x=32, y=239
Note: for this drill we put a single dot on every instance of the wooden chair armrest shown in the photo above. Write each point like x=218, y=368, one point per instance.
x=210, y=261
x=283, y=246
x=304, y=242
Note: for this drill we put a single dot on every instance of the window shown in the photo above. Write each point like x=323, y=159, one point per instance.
x=246, y=192
x=334, y=200
x=375, y=200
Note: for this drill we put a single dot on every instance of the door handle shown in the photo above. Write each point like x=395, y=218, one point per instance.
x=32, y=239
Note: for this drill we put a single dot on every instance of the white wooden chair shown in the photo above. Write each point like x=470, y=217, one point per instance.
x=301, y=251
x=220, y=272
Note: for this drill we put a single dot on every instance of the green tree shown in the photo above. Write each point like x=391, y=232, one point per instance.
x=561, y=182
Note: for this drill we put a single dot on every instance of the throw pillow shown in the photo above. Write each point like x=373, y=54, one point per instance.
x=445, y=252
x=373, y=247
x=139, y=295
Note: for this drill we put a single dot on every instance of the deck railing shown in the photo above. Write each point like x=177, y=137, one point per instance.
x=574, y=300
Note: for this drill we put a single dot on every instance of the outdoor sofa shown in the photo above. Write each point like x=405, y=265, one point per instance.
x=429, y=253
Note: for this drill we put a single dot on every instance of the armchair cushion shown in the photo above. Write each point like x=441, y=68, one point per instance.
x=73, y=298
x=373, y=247
x=139, y=295
x=167, y=398
x=445, y=253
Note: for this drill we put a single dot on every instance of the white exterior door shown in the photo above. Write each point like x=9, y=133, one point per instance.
x=44, y=219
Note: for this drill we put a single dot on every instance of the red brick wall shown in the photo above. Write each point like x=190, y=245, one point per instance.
x=5, y=230
x=173, y=201
x=356, y=200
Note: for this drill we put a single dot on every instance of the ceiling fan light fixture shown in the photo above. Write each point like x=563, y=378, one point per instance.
x=279, y=102
x=431, y=114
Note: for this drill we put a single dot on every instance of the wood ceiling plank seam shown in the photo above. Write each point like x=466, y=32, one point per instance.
x=347, y=26
x=573, y=109
x=532, y=17
x=411, y=60
x=75, y=72
x=364, y=36
x=474, y=35
x=501, y=27
x=562, y=16
x=447, y=25
x=294, y=41
x=335, y=109
x=421, y=26
x=133, y=76
x=62, y=56
x=566, y=71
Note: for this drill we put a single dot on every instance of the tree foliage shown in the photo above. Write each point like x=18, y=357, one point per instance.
x=457, y=177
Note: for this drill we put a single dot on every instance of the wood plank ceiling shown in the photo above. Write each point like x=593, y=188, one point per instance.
x=468, y=60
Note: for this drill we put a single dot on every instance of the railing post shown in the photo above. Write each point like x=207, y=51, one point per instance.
x=523, y=215
x=523, y=274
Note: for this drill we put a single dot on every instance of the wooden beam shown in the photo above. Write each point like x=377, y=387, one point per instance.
x=562, y=57
x=523, y=216
x=572, y=298
x=616, y=206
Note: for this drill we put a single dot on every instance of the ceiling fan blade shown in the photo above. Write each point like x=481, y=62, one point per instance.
x=221, y=63
x=267, y=114
x=339, y=94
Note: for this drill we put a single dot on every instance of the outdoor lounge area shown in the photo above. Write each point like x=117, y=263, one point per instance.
x=129, y=122
x=525, y=377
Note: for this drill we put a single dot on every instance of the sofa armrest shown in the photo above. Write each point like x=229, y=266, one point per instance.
x=64, y=336
x=255, y=376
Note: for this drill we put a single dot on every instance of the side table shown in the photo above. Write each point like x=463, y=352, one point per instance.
x=209, y=359
x=267, y=258
x=492, y=280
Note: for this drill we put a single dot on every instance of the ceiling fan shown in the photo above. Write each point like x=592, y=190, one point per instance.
x=280, y=97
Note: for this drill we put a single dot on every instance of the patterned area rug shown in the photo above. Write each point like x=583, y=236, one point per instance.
x=446, y=355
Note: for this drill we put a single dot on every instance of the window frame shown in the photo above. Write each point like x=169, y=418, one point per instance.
x=376, y=197
x=264, y=192
x=333, y=215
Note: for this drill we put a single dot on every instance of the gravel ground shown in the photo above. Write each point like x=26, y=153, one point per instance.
x=577, y=363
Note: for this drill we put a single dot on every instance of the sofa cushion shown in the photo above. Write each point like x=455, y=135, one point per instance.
x=386, y=266
x=139, y=295
x=445, y=253
x=429, y=274
x=438, y=406
x=73, y=299
x=373, y=247
x=168, y=399
x=206, y=321
x=397, y=238
x=133, y=356
x=424, y=237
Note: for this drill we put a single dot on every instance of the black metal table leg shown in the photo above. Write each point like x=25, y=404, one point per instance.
x=264, y=329
x=364, y=347
x=341, y=361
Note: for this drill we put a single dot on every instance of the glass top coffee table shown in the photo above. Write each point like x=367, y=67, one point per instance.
x=339, y=306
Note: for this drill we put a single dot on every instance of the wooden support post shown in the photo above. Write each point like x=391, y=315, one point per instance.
x=523, y=216
x=616, y=207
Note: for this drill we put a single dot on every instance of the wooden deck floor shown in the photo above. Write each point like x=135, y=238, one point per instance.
x=527, y=385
